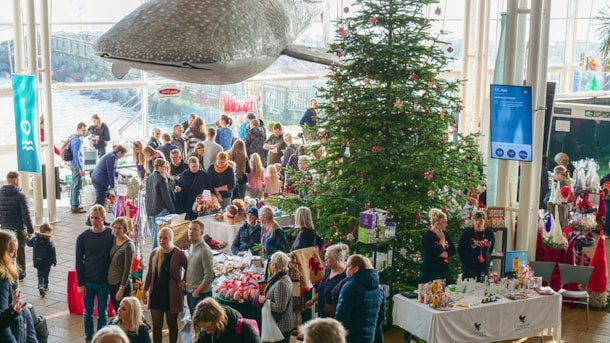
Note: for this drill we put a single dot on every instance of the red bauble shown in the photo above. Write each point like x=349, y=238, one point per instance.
x=375, y=150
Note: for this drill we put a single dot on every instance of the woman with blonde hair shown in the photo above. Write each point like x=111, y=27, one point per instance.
x=110, y=334
x=327, y=290
x=139, y=159
x=323, y=330
x=273, y=237
x=164, y=285
x=129, y=319
x=256, y=177
x=214, y=323
x=438, y=247
x=306, y=236
x=238, y=155
x=272, y=186
x=222, y=179
x=279, y=293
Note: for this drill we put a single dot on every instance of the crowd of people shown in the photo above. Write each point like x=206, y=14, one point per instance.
x=229, y=167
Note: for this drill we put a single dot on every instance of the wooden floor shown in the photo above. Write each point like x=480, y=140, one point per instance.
x=64, y=327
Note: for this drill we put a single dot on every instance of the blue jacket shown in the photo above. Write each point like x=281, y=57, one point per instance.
x=44, y=252
x=21, y=329
x=78, y=158
x=245, y=239
x=103, y=174
x=224, y=137
x=361, y=307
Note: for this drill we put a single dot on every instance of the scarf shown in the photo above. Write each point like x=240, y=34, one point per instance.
x=274, y=278
x=220, y=170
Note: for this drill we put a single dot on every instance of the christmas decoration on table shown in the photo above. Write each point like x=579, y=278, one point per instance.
x=205, y=202
x=242, y=288
x=554, y=239
x=586, y=176
x=391, y=147
x=236, y=212
x=599, y=278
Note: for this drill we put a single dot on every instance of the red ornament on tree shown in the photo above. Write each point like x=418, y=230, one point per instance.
x=375, y=149
x=414, y=77
x=373, y=20
x=417, y=217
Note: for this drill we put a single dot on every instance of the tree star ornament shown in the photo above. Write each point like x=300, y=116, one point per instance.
x=398, y=103
x=428, y=175
x=342, y=32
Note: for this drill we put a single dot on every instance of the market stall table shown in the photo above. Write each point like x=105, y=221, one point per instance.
x=504, y=319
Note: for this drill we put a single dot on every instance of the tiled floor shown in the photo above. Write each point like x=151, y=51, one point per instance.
x=64, y=327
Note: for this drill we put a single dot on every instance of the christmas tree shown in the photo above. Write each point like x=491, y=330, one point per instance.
x=390, y=136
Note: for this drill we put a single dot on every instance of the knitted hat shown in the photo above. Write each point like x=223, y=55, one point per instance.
x=253, y=211
x=599, y=277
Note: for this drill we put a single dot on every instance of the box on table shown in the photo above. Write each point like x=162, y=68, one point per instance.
x=368, y=236
x=181, y=237
x=372, y=218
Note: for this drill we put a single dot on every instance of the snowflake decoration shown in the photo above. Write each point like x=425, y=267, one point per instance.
x=416, y=257
x=398, y=103
x=403, y=252
x=428, y=175
x=438, y=10
x=373, y=20
x=431, y=194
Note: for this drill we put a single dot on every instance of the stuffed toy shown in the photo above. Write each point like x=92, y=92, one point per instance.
x=137, y=292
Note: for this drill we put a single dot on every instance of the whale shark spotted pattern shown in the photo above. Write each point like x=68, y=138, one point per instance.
x=205, y=41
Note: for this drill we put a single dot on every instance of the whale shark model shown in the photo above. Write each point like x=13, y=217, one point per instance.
x=209, y=41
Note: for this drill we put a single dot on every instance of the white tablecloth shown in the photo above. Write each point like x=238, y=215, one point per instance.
x=224, y=232
x=501, y=320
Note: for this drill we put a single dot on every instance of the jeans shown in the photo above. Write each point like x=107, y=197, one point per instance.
x=101, y=291
x=43, y=277
x=153, y=228
x=77, y=185
x=100, y=194
x=192, y=302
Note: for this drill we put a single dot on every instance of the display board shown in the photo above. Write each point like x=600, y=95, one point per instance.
x=511, y=122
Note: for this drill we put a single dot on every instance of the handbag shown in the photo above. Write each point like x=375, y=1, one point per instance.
x=270, y=331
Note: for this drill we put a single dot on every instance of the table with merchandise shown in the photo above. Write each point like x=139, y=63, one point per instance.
x=474, y=317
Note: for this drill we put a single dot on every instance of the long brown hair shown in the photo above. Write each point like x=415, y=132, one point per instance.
x=197, y=128
x=238, y=155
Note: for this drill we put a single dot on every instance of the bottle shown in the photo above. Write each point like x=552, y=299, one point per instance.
x=516, y=266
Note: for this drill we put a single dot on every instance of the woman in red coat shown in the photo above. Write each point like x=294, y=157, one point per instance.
x=164, y=285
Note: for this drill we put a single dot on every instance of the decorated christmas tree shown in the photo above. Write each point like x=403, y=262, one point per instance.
x=390, y=139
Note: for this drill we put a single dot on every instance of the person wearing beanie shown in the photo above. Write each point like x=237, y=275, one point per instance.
x=249, y=234
x=475, y=248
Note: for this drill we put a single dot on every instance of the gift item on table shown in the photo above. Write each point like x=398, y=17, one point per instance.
x=214, y=244
x=242, y=288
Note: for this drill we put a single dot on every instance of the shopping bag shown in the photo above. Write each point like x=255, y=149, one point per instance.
x=270, y=331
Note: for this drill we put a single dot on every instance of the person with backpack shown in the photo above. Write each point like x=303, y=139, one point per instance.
x=77, y=165
x=214, y=323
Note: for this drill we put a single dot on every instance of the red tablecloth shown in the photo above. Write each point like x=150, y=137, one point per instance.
x=75, y=301
x=559, y=256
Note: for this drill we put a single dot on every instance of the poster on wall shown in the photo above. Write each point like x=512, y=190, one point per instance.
x=511, y=122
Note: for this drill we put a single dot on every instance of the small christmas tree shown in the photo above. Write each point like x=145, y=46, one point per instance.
x=391, y=140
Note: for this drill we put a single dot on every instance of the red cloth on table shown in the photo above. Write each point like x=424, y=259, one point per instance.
x=552, y=255
x=75, y=300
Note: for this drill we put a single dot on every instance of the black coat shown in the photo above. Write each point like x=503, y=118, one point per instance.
x=44, y=252
x=14, y=210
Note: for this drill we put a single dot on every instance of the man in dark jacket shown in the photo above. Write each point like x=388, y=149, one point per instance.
x=361, y=307
x=15, y=216
x=249, y=234
x=158, y=200
x=103, y=175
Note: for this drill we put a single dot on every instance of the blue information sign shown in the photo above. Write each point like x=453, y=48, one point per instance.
x=511, y=122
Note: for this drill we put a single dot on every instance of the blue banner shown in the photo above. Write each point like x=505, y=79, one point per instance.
x=24, y=103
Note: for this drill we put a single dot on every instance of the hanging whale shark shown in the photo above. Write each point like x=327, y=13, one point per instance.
x=209, y=41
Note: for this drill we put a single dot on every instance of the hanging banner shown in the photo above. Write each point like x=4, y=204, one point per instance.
x=24, y=103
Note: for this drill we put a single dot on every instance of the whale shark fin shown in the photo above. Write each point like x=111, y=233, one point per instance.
x=311, y=54
x=119, y=70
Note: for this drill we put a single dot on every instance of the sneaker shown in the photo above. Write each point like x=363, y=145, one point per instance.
x=22, y=276
x=42, y=292
x=78, y=210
